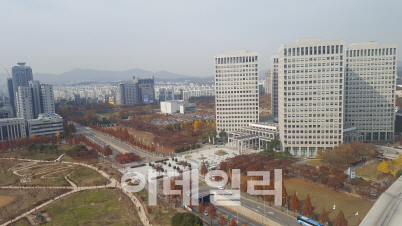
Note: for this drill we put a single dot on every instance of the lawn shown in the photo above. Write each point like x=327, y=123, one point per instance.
x=325, y=197
x=314, y=162
x=25, y=199
x=84, y=176
x=93, y=207
x=159, y=214
x=109, y=170
x=368, y=171
x=7, y=177
x=36, y=155
x=221, y=152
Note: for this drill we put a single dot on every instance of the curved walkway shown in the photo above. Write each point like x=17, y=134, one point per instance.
x=114, y=183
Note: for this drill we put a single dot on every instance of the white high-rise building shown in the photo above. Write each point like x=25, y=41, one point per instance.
x=274, y=89
x=47, y=99
x=24, y=102
x=329, y=93
x=370, y=84
x=34, y=99
x=236, y=85
x=267, y=82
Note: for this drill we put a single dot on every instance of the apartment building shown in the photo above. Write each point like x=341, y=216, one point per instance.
x=34, y=99
x=21, y=75
x=127, y=93
x=274, y=89
x=24, y=102
x=267, y=82
x=236, y=85
x=329, y=93
x=47, y=99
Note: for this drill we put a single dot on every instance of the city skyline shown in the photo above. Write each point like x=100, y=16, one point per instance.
x=66, y=35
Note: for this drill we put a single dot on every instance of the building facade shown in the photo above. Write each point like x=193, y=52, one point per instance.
x=370, y=86
x=274, y=89
x=12, y=128
x=329, y=94
x=146, y=89
x=47, y=99
x=34, y=99
x=236, y=86
x=11, y=95
x=127, y=93
x=21, y=76
x=45, y=124
x=24, y=102
x=267, y=82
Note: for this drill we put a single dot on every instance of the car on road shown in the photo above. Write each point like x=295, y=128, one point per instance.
x=220, y=187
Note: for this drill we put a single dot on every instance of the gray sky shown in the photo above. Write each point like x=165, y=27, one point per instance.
x=178, y=36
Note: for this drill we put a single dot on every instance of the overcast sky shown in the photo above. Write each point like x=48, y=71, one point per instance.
x=178, y=36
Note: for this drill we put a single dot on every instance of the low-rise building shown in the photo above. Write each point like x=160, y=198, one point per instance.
x=46, y=124
x=253, y=136
x=187, y=108
x=12, y=128
x=173, y=106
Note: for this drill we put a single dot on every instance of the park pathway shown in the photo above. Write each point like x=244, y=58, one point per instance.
x=113, y=184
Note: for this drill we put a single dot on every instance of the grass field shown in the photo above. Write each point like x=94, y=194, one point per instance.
x=25, y=199
x=93, y=207
x=325, y=197
x=368, y=171
x=314, y=162
x=7, y=177
x=84, y=176
x=160, y=214
x=24, y=154
x=109, y=170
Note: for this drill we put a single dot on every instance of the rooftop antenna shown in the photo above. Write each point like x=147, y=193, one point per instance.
x=8, y=73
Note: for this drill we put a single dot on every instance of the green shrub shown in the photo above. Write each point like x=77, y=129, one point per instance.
x=398, y=174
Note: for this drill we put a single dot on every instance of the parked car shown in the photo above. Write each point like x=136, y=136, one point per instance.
x=205, y=213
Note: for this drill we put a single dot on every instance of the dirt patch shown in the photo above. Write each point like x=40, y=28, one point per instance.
x=221, y=152
x=5, y=200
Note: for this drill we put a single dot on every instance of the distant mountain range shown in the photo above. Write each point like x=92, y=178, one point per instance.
x=90, y=76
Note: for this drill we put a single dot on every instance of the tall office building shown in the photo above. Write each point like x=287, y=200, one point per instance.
x=146, y=89
x=274, y=89
x=140, y=90
x=370, y=85
x=236, y=85
x=329, y=94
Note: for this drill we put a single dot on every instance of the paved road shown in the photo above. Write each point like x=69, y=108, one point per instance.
x=270, y=212
x=116, y=145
